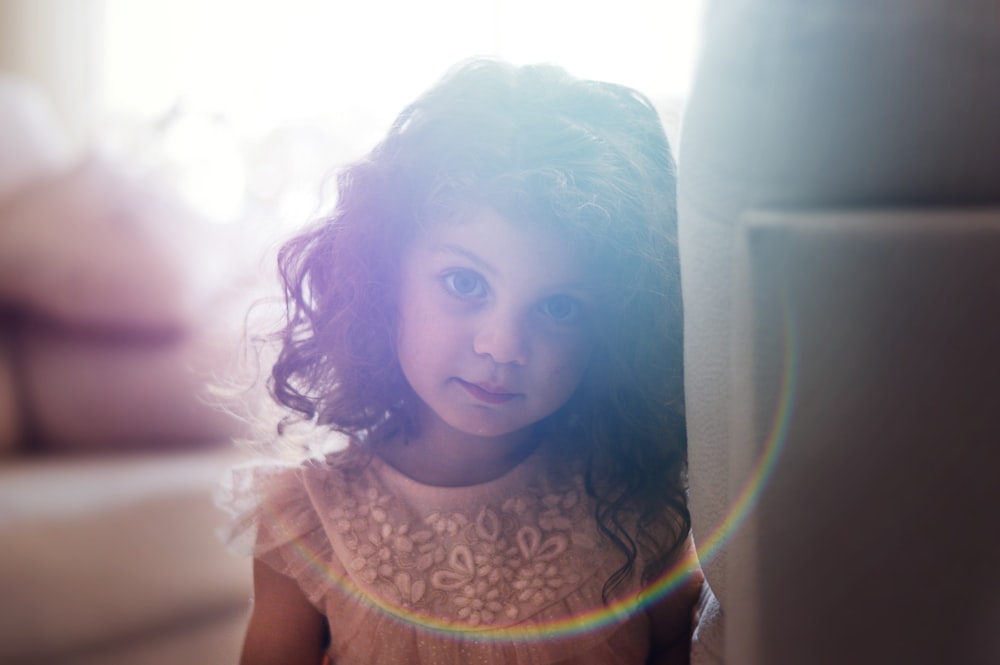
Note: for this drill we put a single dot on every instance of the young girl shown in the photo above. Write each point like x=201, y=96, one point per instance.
x=492, y=317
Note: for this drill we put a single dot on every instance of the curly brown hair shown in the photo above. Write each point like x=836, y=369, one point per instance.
x=590, y=158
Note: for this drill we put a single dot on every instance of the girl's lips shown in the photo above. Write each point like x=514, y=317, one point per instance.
x=488, y=394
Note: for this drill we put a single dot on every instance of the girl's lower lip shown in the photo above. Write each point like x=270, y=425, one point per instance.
x=484, y=395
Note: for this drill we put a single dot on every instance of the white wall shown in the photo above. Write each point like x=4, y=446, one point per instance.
x=54, y=44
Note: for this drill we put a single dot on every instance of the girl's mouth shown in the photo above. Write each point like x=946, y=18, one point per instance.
x=488, y=394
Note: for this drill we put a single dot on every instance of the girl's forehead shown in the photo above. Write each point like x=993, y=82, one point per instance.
x=499, y=242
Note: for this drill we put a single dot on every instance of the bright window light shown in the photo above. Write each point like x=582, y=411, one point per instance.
x=345, y=69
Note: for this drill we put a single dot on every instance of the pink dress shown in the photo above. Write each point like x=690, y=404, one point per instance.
x=506, y=572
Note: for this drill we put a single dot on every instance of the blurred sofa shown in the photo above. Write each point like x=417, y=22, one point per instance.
x=119, y=312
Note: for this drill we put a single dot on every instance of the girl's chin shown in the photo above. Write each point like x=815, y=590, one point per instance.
x=480, y=431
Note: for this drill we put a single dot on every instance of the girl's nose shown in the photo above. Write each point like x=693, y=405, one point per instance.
x=500, y=337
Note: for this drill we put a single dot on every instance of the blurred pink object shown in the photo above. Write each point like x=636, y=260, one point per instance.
x=117, y=303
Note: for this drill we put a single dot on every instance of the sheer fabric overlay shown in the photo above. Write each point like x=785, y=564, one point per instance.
x=509, y=571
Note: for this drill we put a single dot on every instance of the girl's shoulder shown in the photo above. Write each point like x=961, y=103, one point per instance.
x=273, y=500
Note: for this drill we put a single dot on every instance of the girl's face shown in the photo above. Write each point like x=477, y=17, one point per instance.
x=495, y=323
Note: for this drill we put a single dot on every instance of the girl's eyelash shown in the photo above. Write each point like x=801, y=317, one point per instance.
x=562, y=309
x=464, y=284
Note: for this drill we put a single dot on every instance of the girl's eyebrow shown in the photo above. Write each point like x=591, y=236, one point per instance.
x=448, y=248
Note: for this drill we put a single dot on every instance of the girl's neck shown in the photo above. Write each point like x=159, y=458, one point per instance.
x=446, y=458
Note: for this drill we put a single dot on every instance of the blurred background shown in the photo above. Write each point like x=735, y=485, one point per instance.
x=152, y=155
x=221, y=87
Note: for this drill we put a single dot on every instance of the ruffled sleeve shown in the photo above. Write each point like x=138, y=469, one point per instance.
x=276, y=520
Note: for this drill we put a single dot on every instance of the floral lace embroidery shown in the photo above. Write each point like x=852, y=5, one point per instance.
x=496, y=567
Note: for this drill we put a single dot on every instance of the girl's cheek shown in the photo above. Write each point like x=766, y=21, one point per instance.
x=576, y=356
x=582, y=345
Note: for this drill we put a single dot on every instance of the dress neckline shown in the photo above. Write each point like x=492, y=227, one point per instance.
x=514, y=475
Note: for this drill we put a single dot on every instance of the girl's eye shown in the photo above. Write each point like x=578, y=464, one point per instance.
x=561, y=309
x=465, y=284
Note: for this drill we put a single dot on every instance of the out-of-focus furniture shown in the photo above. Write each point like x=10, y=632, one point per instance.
x=114, y=560
x=115, y=309
x=840, y=240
